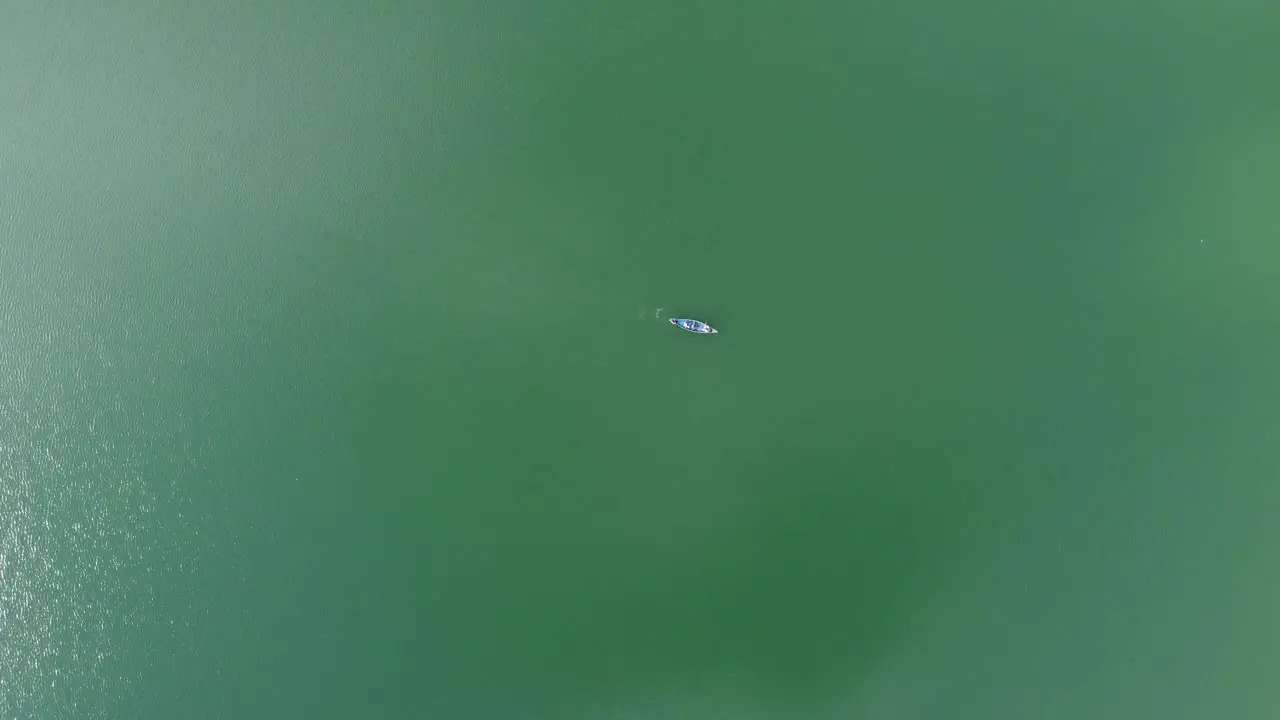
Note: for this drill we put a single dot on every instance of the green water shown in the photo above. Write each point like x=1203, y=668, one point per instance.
x=335, y=377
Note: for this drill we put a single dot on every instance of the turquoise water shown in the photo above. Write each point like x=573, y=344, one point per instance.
x=336, y=377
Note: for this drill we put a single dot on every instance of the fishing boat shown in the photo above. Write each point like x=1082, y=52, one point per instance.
x=694, y=326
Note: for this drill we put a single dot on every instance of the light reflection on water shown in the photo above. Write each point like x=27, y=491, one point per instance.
x=87, y=508
x=71, y=552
